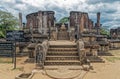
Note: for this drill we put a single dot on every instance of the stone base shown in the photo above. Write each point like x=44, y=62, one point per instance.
x=63, y=73
x=24, y=76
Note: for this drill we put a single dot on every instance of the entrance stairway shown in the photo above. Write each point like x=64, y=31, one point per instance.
x=62, y=54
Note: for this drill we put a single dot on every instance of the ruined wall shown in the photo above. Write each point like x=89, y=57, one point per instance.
x=80, y=19
x=115, y=33
x=86, y=20
x=90, y=25
x=40, y=21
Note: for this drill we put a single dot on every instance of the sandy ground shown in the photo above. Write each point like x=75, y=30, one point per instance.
x=7, y=71
x=108, y=70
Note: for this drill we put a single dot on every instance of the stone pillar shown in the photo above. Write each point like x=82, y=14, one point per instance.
x=82, y=23
x=69, y=26
x=72, y=35
x=106, y=48
x=49, y=22
x=40, y=22
x=98, y=19
x=54, y=35
x=86, y=20
x=45, y=23
x=98, y=23
x=94, y=52
x=20, y=21
x=90, y=25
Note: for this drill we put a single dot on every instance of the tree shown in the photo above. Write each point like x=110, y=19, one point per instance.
x=104, y=32
x=64, y=20
x=7, y=22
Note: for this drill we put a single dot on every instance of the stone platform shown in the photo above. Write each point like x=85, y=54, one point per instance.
x=62, y=42
x=60, y=72
x=63, y=72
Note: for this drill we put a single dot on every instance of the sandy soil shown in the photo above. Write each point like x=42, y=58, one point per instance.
x=7, y=71
x=107, y=70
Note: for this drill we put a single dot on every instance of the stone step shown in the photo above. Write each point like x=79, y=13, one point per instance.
x=62, y=58
x=66, y=62
x=51, y=53
x=62, y=49
x=63, y=46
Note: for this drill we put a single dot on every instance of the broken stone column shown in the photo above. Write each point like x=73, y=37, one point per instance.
x=20, y=21
x=98, y=23
x=98, y=19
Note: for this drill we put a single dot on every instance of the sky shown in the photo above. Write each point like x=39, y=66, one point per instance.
x=109, y=9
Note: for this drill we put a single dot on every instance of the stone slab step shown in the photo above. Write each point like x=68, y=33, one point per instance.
x=56, y=67
x=63, y=46
x=93, y=59
x=62, y=49
x=62, y=53
x=62, y=62
x=62, y=58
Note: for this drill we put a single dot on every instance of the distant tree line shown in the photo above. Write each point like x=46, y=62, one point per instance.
x=63, y=20
x=7, y=22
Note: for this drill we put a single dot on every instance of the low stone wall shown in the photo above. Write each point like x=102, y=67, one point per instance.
x=24, y=76
x=115, y=45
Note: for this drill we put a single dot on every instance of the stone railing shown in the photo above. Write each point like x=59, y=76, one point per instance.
x=80, y=47
x=40, y=53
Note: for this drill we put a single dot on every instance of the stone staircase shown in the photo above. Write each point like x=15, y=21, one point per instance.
x=62, y=55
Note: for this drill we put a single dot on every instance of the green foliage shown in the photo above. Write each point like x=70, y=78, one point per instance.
x=64, y=20
x=7, y=22
x=1, y=34
x=104, y=32
x=5, y=60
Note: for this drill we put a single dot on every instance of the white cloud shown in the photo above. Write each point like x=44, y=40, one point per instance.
x=110, y=9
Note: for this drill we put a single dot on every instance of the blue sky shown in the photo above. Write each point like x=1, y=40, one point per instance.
x=110, y=9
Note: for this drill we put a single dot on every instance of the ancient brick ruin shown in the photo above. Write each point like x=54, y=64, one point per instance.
x=72, y=43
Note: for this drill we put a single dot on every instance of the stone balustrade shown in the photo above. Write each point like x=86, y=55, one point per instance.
x=81, y=50
x=40, y=53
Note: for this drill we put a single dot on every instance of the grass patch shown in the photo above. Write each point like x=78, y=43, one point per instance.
x=5, y=60
x=19, y=68
x=115, y=52
x=112, y=59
